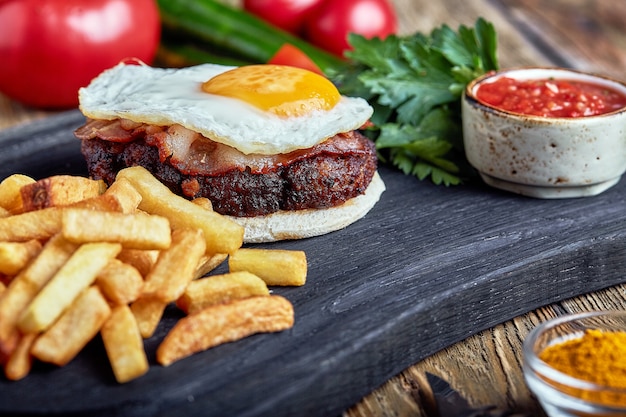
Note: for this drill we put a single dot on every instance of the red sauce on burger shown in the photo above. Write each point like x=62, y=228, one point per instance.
x=550, y=97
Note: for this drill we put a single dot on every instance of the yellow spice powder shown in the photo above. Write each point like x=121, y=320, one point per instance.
x=598, y=356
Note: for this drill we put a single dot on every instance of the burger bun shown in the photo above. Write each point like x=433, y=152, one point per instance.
x=300, y=224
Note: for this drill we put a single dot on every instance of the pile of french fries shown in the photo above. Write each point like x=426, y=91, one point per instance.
x=78, y=258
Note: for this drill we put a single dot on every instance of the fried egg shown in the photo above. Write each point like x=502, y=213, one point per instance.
x=262, y=109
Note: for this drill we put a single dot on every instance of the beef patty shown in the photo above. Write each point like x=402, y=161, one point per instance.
x=324, y=176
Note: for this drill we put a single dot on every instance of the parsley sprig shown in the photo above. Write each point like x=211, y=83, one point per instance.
x=415, y=84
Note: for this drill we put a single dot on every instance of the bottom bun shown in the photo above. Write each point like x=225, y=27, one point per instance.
x=300, y=224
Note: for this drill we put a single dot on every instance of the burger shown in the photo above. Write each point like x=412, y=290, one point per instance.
x=275, y=148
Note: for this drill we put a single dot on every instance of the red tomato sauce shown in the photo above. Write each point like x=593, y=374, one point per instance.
x=550, y=97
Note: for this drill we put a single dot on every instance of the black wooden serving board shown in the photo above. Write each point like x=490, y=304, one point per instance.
x=427, y=267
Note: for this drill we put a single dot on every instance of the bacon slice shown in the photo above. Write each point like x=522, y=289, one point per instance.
x=194, y=154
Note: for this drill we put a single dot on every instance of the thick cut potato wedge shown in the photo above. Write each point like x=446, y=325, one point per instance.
x=274, y=266
x=148, y=312
x=40, y=224
x=15, y=255
x=208, y=263
x=74, y=329
x=225, y=323
x=27, y=284
x=10, y=195
x=20, y=362
x=104, y=202
x=203, y=202
x=119, y=282
x=124, y=345
x=142, y=260
x=220, y=289
x=222, y=234
x=176, y=266
x=77, y=274
x=132, y=230
x=59, y=190
x=126, y=194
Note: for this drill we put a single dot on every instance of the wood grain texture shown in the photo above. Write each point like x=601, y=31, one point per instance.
x=429, y=266
x=486, y=366
x=423, y=16
x=13, y=113
x=583, y=34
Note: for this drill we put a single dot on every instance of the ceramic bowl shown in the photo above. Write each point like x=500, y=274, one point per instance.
x=562, y=395
x=544, y=157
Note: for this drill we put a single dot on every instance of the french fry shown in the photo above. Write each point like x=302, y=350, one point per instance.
x=62, y=341
x=59, y=190
x=119, y=282
x=127, y=195
x=220, y=289
x=78, y=273
x=274, y=266
x=183, y=256
x=27, y=284
x=8, y=346
x=142, y=260
x=124, y=345
x=104, y=202
x=148, y=312
x=203, y=202
x=10, y=197
x=208, y=263
x=224, y=323
x=113, y=259
x=21, y=360
x=15, y=255
x=132, y=230
x=4, y=281
x=222, y=234
x=40, y=224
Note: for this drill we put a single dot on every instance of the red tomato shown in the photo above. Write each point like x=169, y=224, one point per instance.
x=51, y=48
x=294, y=57
x=329, y=25
x=285, y=14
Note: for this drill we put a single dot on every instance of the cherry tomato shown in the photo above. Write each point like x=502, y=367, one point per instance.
x=328, y=26
x=285, y=14
x=294, y=57
x=51, y=48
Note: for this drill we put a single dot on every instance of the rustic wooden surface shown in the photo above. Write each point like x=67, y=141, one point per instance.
x=486, y=368
x=582, y=34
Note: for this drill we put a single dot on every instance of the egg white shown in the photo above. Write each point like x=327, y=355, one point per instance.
x=167, y=96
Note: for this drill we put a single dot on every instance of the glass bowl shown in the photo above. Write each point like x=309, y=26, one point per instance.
x=562, y=395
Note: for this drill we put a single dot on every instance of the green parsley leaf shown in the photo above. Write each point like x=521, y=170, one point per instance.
x=415, y=84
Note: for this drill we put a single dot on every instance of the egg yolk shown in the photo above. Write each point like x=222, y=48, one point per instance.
x=282, y=90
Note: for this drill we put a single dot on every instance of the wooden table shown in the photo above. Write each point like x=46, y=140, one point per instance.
x=486, y=367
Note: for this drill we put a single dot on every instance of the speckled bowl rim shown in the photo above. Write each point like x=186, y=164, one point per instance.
x=470, y=91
